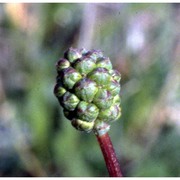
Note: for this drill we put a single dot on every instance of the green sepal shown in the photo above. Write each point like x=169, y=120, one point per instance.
x=69, y=77
x=62, y=64
x=82, y=125
x=72, y=54
x=86, y=89
x=59, y=90
x=103, y=99
x=84, y=65
x=69, y=101
x=87, y=111
x=104, y=62
x=100, y=75
x=111, y=114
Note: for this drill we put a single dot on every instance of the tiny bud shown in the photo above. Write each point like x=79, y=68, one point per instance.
x=82, y=125
x=84, y=65
x=117, y=100
x=104, y=62
x=59, y=90
x=95, y=54
x=86, y=89
x=115, y=75
x=69, y=77
x=111, y=114
x=100, y=76
x=72, y=54
x=69, y=101
x=62, y=64
x=103, y=99
x=113, y=87
x=87, y=111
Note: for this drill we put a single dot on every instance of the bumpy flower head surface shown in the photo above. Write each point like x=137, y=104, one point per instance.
x=87, y=87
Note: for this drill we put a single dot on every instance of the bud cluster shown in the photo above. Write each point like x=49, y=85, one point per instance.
x=87, y=87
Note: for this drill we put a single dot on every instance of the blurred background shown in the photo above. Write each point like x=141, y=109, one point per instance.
x=143, y=43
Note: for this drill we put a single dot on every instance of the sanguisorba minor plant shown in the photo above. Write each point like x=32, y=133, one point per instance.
x=87, y=87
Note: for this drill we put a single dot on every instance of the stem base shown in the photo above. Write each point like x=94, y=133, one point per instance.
x=109, y=155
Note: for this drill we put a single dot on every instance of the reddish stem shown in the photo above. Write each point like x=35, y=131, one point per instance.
x=109, y=155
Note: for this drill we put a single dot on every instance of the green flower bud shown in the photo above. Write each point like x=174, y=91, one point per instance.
x=59, y=90
x=86, y=89
x=62, y=64
x=117, y=100
x=84, y=65
x=72, y=55
x=100, y=76
x=104, y=62
x=69, y=101
x=111, y=114
x=94, y=54
x=103, y=99
x=82, y=125
x=87, y=111
x=70, y=76
x=114, y=87
x=115, y=75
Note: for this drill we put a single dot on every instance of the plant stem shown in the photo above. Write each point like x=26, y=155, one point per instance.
x=109, y=154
